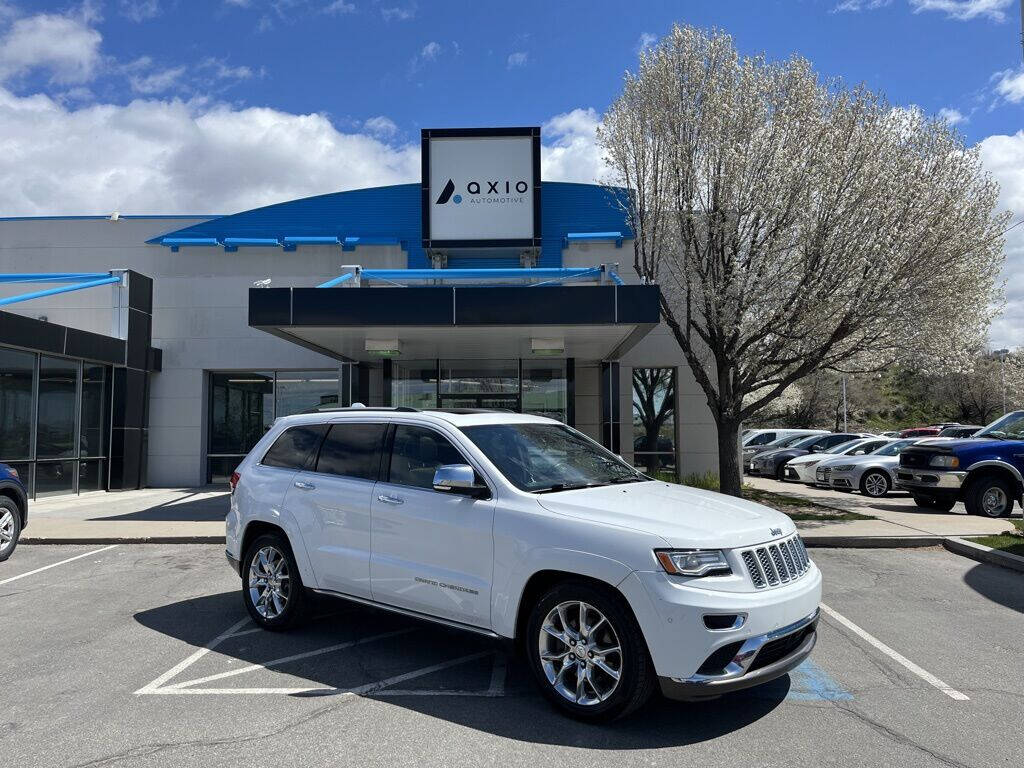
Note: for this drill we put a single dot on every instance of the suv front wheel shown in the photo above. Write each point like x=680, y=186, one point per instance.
x=271, y=585
x=587, y=653
x=10, y=527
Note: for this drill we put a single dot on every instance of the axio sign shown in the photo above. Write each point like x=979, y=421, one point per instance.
x=481, y=187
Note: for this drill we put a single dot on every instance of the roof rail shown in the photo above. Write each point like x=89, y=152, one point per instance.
x=334, y=408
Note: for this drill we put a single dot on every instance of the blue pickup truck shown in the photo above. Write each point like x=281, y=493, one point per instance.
x=985, y=472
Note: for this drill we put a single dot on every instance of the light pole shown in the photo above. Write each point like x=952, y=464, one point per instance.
x=844, y=387
x=1001, y=354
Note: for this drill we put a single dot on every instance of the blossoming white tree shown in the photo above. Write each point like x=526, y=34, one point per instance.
x=795, y=224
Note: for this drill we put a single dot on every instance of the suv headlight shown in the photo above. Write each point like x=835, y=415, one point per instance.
x=693, y=562
x=945, y=461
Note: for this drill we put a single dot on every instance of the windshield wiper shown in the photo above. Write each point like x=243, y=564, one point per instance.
x=567, y=487
x=638, y=479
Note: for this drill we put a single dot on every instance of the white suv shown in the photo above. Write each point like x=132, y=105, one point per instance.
x=520, y=527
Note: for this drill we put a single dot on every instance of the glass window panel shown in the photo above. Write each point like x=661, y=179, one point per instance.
x=95, y=396
x=299, y=391
x=92, y=475
x=654, y=423
x=295, y=446
x=219, y=468
x=55, y=477
x=58, y=405
x=352, y=450
x=544, y=388
x=414, y=384
x=479, y=377
x=241, y=410
x=417, y=454
x=16, y=372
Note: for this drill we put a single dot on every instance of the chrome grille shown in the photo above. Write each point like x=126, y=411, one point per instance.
x=777, y=563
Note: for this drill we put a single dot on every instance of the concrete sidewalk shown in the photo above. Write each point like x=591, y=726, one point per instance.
x=196, y=515
x=897, y=515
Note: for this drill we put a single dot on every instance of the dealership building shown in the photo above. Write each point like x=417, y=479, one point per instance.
x=154, y=350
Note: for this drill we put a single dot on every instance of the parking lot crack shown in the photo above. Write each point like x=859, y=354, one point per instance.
x=897, y=737
x=146, y=750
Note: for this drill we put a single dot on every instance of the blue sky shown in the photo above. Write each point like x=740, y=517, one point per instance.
x=215, y=106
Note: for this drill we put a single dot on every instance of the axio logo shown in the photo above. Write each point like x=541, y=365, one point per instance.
x=446, y=194
x=496, y=192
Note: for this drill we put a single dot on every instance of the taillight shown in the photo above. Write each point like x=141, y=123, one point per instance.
x=233, y=482
x=14, y=473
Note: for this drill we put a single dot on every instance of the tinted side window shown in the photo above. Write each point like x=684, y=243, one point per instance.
x=352, y=450
x=833, y=440
x=417, y=453
x=763, y=438
x=295, y=447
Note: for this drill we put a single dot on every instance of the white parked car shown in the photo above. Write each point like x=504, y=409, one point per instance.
x=801, y=469
x=519, y=527
x=873, y=475
x=758, y=437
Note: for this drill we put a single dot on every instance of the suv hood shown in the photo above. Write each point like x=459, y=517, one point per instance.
x=684, y=517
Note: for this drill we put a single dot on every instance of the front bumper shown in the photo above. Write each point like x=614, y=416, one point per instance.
x=671, y=614
x=744, y=671
x=929, y=479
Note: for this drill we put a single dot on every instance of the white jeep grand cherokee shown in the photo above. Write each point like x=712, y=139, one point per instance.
x=520, y=527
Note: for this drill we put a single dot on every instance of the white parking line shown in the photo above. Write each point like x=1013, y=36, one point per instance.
x=925, y=675
x=54, y=565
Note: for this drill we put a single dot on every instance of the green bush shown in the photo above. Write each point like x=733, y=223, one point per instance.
x=706, y=480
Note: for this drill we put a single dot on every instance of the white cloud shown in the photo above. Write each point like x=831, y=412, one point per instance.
x=399, y=13
x=65, y=46
x=646, y=41
x=952, y=116
x=571, y=153
x=340, y=7
x=860, y=5
x=381, y=126
x=1010, y=84
x=1003, y=157
x=964, y=10
x=139, y=10
x=156, y=82
x=517, y=59
x=174, y=156
x=430, y=51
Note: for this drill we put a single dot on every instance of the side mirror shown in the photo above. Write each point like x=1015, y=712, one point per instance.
x=457, y=478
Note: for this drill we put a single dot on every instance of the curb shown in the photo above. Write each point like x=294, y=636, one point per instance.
x=984, y=554
x=29, y=541
x=871, y=542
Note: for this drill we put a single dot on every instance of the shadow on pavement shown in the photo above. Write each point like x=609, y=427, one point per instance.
x=198, y=506
x=1000, y=585
x=407, y=645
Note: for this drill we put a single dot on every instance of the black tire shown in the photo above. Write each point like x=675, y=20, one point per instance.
x=979, y=496
x=636, y=680
x=780, y=473
x=925, y=502
x=944, y=505
x=8, y=507
x=291, y=612
x=875, y=473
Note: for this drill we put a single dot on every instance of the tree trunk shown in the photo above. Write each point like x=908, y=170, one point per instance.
x=729, y=476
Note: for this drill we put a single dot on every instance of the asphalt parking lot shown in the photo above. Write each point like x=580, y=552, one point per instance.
x=144, y=655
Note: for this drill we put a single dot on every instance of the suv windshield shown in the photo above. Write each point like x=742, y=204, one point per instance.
x=1010, y=427
x=549, y=457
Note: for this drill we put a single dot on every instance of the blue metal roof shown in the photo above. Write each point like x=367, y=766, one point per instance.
x=392, y=215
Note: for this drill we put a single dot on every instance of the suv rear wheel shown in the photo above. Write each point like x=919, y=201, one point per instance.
x=10, y=527
x=271, y=585
x=587, y=652
x=989, y=497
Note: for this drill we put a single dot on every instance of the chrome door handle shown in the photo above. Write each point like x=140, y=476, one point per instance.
x=304, y=485
x=390, y=499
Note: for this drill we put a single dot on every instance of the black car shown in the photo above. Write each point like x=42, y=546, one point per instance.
x=773, y=463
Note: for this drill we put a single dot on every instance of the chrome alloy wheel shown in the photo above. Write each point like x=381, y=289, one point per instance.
x=580, y=653
x=269, y=582
x=993, y=502
x=875, y=484
x=6, y=529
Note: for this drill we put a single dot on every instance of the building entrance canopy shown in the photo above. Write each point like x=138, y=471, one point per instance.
x=591, y=322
